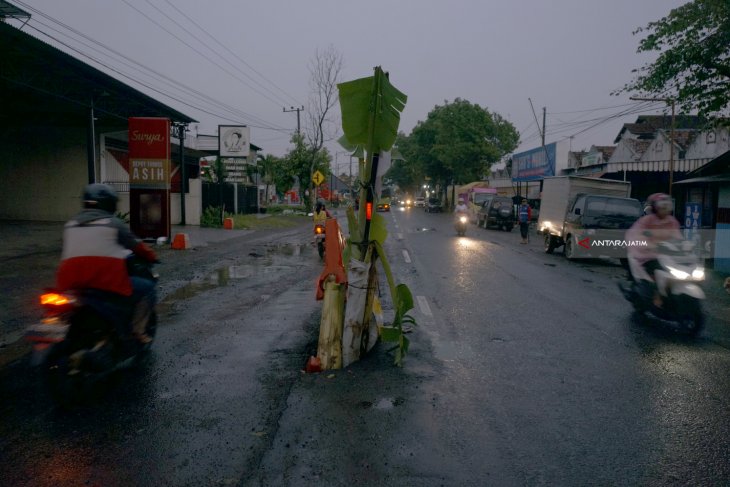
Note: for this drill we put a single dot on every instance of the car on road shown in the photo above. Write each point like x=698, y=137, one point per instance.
x=497, y=212
x=420, y=202
x=433, y=205
x=383, y=207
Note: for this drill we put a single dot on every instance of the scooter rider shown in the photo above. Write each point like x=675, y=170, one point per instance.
x=321, y=214
x=95, y=246
x=461, y=207
x=656, y=227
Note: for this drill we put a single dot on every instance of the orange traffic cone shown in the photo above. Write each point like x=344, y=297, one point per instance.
x=181, y=242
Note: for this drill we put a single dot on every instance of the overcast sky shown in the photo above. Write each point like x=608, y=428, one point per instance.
x=567, y=55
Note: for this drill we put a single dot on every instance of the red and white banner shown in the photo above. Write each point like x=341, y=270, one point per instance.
x=149, y=177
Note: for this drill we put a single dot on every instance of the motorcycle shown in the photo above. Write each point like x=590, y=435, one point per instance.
x=680, y=269
x=84, y=337
x=319, y=235
x=460, y=224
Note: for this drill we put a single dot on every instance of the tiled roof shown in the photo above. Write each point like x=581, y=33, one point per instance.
x=646, y=126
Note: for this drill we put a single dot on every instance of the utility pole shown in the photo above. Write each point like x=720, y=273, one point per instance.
x=542, y=137
x=181, y=128
x=671, y=136
x=297, y=109
x=91, y=146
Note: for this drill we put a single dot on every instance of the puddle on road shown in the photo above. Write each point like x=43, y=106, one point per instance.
x=271, y=260
x=424, y=229
x=383, y=404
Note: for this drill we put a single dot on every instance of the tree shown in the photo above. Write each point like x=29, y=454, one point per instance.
x=458, y=142
x=405, y=172
x=267, y=167
x=300, y=163
x=694, y=64
x=325, y=70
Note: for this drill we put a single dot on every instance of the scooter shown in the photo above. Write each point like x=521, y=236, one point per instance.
x=319, y=235
x=680, y=269
x=84, y=337
x=460, y=224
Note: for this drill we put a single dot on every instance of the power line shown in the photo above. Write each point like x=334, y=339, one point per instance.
x=144, y=84
x=199, y=52
x=214, y=51
x=591, y=109
x=593, y=123
x=296, y=102
x=187, y=90
x=160, y=77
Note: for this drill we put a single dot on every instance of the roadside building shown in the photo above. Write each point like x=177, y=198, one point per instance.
x=63, y=124
x=704, y=204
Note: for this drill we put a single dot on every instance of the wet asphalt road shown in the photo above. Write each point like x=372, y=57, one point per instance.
x=524, y=370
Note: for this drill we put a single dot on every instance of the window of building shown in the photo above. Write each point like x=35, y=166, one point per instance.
x=710, y=137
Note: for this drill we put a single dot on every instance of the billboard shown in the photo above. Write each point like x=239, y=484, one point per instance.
x=534, y=164
x=149, y=177
x=234, y=140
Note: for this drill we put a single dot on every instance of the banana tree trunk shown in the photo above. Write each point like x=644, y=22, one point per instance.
x=329, y=349
x=360, y=331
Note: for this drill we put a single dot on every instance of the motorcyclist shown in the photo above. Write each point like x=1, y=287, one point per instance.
x=655, y=227
x=95, y=246
x=321, y=214
x=461, y=208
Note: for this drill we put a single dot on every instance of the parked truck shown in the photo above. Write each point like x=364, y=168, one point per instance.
x=580, y=213
x=474, y=194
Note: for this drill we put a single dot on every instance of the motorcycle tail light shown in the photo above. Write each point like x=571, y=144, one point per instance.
x=319, y=229
x=57, y=303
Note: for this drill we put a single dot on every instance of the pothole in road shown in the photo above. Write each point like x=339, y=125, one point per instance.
x=266, y=263
x=383, y=404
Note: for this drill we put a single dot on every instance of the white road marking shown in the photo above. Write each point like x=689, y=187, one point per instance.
x=406, y=257
x=423, y=304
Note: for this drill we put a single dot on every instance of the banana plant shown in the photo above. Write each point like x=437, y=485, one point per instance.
x=371, y=110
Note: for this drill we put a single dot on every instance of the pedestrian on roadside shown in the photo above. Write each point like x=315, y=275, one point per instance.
x=524, y=213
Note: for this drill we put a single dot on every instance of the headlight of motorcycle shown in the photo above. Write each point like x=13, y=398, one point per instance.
x=698, y=274
x=462, y=219
x=678, y=274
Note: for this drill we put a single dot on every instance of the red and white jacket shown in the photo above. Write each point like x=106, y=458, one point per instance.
x=95, y=247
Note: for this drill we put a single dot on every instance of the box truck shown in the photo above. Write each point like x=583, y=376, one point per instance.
x=581, y=213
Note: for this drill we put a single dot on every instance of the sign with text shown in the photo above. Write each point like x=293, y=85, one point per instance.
x=236, y=170
x=534, y=164
x=149, y=177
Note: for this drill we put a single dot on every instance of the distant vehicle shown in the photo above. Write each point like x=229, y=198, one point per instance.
x=433, y=205
x=420, y=202
x=474, y=194
x=574, y=209
x=383, y=207
x=497, y=212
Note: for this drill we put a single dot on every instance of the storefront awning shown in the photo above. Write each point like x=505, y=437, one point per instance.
x=719, y=178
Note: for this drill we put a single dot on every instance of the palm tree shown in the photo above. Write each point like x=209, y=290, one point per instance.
x=267, y=166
